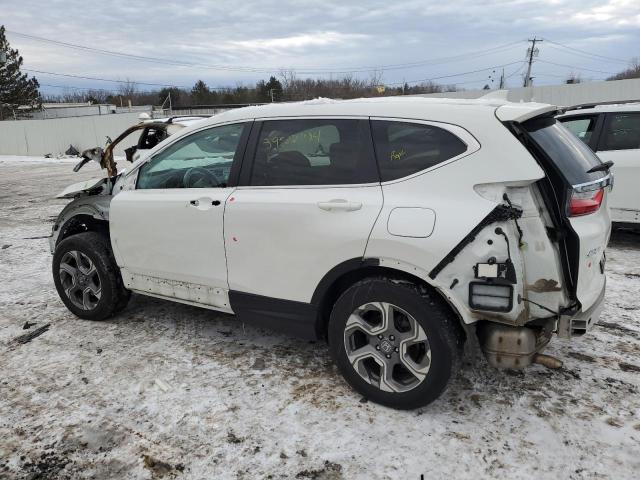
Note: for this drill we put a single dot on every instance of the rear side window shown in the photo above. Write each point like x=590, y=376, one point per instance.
x=313, y=152
x=404, y=148
x=622, y=132
x=581, y=127
x=572, y=157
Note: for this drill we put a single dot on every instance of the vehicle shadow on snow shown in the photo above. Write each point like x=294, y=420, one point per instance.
x=280, y=361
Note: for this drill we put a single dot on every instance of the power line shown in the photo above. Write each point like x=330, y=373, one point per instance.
x=576, y=68
x=301, y=70
x=456, y=74
x=585, y=53
x=170, y=85
x=104, y=79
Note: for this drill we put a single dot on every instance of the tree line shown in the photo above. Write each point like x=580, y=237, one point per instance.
x=287, y=87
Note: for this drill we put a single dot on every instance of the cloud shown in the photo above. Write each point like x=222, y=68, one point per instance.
x=330, y=35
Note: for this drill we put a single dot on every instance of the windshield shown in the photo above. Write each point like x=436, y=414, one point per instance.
x=572, y=157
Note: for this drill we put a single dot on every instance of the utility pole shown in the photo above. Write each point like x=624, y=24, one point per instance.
x=531, y=52
x=502, y=79
x=271, y=93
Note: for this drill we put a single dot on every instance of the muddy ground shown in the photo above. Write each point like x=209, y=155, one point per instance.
x=172, y=391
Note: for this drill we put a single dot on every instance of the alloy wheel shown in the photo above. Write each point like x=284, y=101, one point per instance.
x=80, y=280
x=387, y=347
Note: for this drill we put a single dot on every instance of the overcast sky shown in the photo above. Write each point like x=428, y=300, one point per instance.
x=214, y=37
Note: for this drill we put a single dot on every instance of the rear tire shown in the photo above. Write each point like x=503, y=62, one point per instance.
x=87, y=277
x=405, y=361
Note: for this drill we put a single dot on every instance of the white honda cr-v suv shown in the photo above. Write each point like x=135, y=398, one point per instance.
x=394, y=228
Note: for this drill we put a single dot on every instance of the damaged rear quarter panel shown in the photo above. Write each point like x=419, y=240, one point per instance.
x=504, y=165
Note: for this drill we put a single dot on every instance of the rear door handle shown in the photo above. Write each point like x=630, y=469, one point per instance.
x=340, y=204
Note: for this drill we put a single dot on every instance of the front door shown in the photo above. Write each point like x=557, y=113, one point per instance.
x=167, y=234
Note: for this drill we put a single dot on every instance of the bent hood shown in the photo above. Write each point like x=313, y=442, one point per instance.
x=88, y=186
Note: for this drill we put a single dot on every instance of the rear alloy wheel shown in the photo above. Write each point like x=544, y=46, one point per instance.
x=87, y=277
x=395, y=342
x=387, y=347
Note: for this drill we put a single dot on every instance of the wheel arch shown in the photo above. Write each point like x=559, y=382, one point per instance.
x=81, y=215
x=347, y=273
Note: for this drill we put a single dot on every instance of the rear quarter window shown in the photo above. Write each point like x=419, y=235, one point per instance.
x=570, y=155
x=405, y=148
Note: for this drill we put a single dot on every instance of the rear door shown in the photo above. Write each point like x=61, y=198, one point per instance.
x=580, y=194
x=620, y=143
x=307, y=202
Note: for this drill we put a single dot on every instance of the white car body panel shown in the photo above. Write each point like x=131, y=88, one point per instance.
x=624, y=199
x=73, y=190
x=280, y=242
x=169, y=247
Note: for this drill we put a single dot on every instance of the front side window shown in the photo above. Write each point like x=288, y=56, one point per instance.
x=313, y=152
x=581, y=127
x=404, y=148
x=200, y=160
x=622, y=132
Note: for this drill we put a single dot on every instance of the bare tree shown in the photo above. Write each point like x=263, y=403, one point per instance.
x=128, y=90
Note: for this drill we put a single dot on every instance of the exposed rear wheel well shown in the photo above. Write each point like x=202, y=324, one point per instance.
x=342, y=283
x=83, y=223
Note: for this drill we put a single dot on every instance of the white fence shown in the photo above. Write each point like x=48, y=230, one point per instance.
x=563, y=95
x=41, y=137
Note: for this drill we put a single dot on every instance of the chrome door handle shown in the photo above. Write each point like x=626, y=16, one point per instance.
x=340, y=204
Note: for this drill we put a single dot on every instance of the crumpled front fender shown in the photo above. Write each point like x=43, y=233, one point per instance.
x=95, y=207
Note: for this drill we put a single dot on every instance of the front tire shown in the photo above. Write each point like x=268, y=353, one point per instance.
x=395, y=342
x=87, y=277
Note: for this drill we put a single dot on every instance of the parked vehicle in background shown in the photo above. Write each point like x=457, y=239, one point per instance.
x=613, y=132
x=394, y=228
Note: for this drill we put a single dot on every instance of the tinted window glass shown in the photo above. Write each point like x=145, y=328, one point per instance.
x=622, y=132
x=313, y=152
x=403, y=148
x=200, y=160
x=581, y=127
x=572, y=157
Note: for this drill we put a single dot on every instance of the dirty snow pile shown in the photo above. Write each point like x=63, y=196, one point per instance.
x=173, y=391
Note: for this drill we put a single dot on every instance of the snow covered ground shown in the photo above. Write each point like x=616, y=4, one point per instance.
x=172, y=391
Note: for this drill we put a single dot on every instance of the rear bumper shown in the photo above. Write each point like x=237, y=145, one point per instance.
x=583, y=321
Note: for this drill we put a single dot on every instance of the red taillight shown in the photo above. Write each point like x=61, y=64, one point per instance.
x=584, y=203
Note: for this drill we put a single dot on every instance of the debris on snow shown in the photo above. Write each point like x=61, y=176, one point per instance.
x=27, y=337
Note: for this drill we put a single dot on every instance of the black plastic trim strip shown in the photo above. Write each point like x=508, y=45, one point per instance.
x=501, y=213
x=294, y=318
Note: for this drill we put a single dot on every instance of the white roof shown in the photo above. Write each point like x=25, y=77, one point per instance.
x=421, y=108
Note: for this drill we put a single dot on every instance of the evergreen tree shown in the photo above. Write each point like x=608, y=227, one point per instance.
x=16, y=88
x=271, y=90
x=200, y=93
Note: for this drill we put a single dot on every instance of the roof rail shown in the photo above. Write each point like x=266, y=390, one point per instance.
x=583, y=106
x=172, y=118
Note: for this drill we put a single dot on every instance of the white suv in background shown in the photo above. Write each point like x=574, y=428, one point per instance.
x=613, y=132
x=394, y=228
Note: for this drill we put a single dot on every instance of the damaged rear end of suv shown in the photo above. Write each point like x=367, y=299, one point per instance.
x=548, y=275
